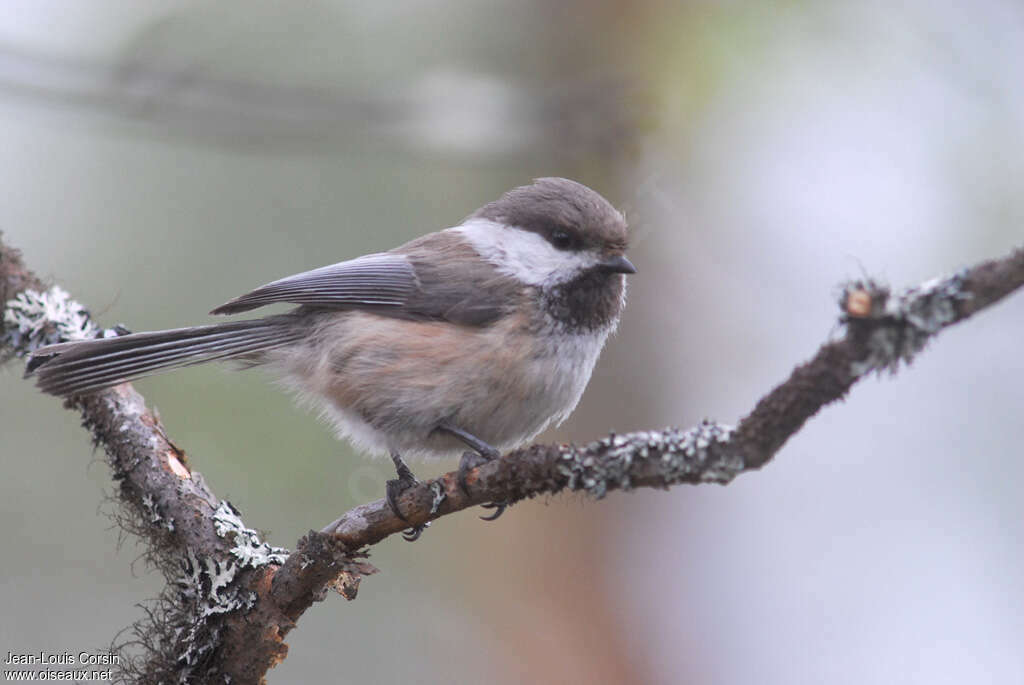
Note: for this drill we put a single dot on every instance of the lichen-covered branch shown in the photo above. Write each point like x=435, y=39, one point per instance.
x=243, y=596
x=217, y=570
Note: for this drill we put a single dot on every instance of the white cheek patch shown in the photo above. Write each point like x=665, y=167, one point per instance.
x=524, y=255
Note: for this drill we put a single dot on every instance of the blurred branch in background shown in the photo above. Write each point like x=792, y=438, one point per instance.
x=231, y=598
x=445, y=109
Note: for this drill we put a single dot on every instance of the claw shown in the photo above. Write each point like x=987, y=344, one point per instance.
x=413, y=534
x=500, y=508
x=470, y=461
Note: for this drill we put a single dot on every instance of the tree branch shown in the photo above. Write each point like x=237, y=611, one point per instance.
x=219, y=615
x=237, y=597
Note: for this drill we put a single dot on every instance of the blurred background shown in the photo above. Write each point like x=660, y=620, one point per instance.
x=160, y=158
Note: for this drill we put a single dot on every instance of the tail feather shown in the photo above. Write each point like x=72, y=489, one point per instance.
x=155, y=352
x=81, y=367
x=112, y=372
x=112, y=349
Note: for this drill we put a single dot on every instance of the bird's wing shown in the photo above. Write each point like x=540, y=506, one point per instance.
x=436, y=277
x=376, y=280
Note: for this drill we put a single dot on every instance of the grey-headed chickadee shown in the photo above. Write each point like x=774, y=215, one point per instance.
x=480, y=335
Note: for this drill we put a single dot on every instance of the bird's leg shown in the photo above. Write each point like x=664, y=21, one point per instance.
x=481, y=454
x=394, y=490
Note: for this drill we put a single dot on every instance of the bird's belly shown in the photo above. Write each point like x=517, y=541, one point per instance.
x=388, y=383
x=543, y=391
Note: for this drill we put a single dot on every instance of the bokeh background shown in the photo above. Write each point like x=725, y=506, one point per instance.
x=159, y=158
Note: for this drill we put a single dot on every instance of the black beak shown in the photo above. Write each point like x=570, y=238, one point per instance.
x=617, y=265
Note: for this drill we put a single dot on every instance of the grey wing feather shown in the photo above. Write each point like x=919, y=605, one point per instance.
x=376, y=280
x=455, y=284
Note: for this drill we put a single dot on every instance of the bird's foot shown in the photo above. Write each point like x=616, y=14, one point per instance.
x=394, y=489
x=470, y=461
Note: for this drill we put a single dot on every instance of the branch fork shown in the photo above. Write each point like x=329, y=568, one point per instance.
x=231, y=598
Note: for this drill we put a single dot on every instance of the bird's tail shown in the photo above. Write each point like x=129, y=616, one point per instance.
x=75, y=368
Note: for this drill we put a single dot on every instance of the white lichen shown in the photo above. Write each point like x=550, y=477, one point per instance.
x=250, y=551
x=607, y=464
x=905, y=323
x=35, y=319
x=210, y=586
x=149, y=506
x=437, y=490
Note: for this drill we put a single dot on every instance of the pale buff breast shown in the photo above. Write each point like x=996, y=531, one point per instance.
x=386, y=383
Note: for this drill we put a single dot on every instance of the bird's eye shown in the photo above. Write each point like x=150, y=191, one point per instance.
x=562, y=239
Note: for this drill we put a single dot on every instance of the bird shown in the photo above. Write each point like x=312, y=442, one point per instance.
x=476, y=336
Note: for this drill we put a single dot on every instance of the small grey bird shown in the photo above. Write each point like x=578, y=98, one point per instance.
x=480, y=335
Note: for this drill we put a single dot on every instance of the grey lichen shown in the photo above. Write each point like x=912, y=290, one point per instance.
x=700, y=454
x=211, y=587
x=437, y=490
x=35, y=319
x=150, y=509
x=249, y=549
x=209, y=584
x=901, y=326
